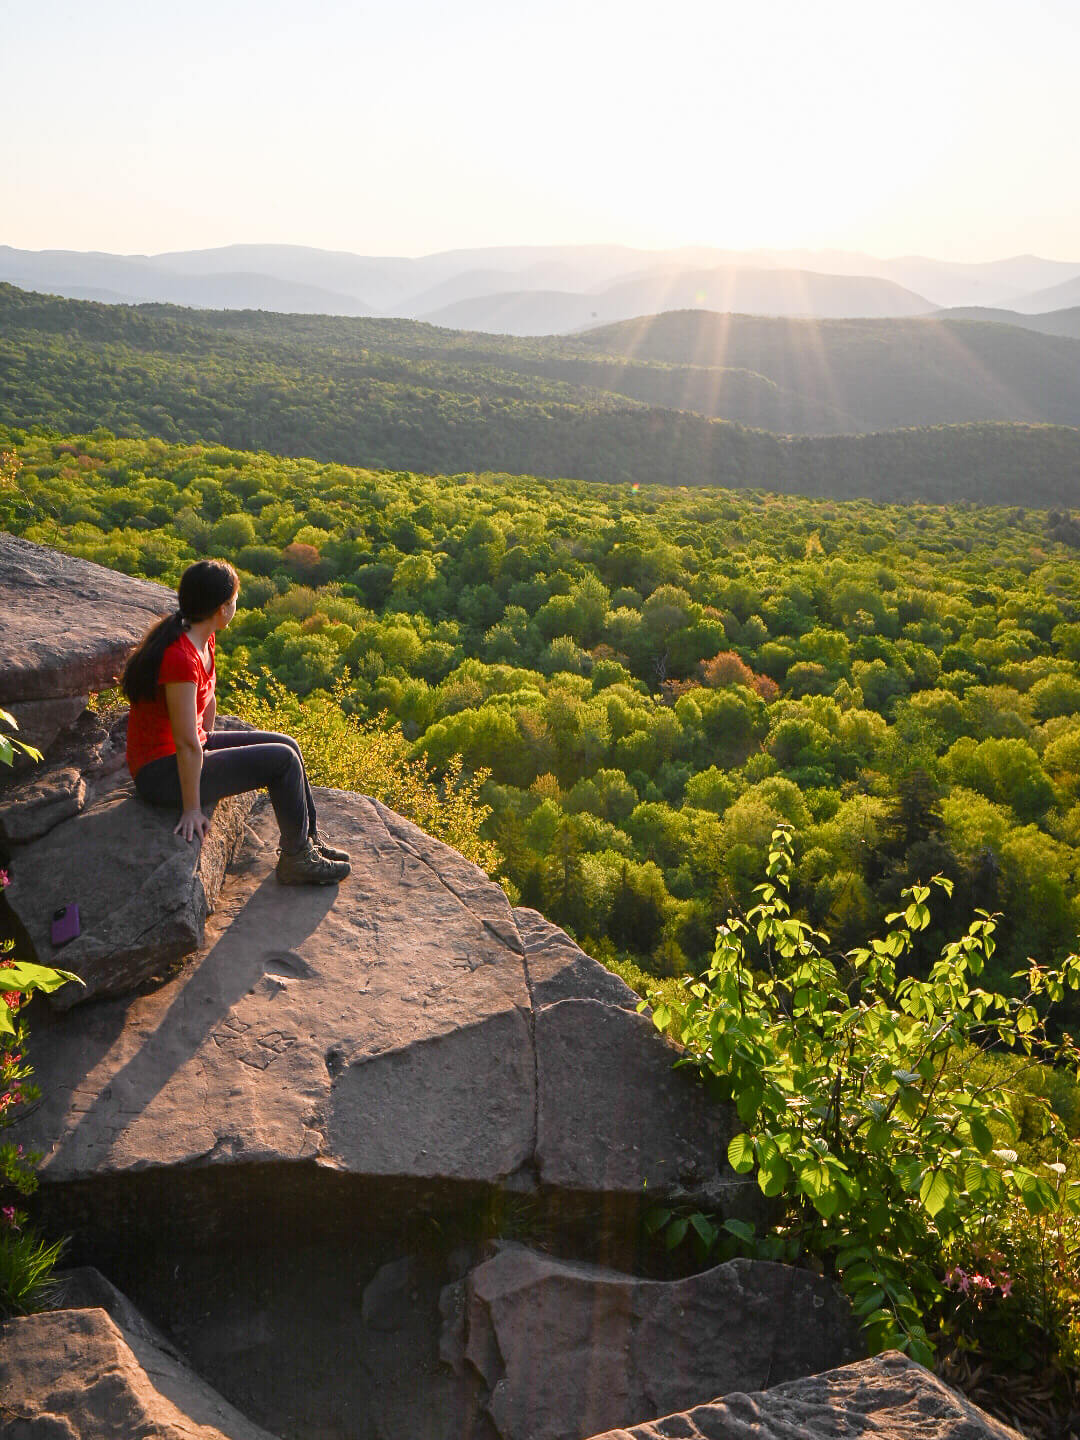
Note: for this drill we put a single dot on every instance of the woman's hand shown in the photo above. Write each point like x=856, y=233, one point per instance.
x=192, y=823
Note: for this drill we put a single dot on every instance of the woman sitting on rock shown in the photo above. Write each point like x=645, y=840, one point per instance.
x=174, y=755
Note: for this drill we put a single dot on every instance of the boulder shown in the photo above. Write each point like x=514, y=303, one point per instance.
x=67, y=626
x=85, y=1288
x=143, y=893
x=69, y=1374
x=889, y=1397
x=564, y=1349
x=383, y=1028
x=33, y=807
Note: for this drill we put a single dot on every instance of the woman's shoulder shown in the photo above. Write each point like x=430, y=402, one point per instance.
x=179, y=662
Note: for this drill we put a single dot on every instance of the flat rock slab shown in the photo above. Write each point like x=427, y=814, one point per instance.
x=566, y=1348
x=386, y=1027
x=143, y=893
x=889, y=1398
x=75, y=1374
x=67, y=626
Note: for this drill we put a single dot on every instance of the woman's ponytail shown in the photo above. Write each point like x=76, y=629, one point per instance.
x=204, y=587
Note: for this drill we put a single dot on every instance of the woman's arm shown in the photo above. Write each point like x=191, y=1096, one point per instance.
x=180, y=702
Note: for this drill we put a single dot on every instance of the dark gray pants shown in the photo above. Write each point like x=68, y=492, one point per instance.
x=239, y=760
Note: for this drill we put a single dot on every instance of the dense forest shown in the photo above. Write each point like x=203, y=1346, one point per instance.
x=625, y=405
x=650, y=680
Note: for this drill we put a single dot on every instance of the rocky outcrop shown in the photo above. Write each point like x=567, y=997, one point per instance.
x=76, y=1374
x=294, y=1149
x=390, y=1027
x=889, y=1397
x=67, y=626
x=617, y=1348
x=78, y=833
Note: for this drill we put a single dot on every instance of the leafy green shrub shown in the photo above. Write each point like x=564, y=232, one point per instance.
x=352, y=754
x=868, y=1120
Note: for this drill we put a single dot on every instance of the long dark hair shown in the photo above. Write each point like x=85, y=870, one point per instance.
x=204, y=587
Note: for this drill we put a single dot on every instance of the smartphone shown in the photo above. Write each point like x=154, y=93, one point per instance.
x=65, y=924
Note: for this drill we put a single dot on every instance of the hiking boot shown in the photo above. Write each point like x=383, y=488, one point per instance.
x=328, y=852
x=308, y=867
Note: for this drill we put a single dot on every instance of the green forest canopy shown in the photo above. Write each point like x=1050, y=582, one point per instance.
x=653, y=679
x=398, y=394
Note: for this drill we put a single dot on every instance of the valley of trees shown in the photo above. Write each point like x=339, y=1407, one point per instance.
x=650, y=681
x=634, y=403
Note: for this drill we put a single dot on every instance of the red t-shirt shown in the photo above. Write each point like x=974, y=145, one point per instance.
x=149, y=732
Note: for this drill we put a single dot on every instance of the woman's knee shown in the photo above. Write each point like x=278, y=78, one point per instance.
x=290, y=742
x=287, y=758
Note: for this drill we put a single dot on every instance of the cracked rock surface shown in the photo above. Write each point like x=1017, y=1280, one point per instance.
x=389, y=1027
x=616, y=1348
x=888, y=1398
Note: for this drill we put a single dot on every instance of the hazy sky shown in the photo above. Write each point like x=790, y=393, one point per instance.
x=944, y=127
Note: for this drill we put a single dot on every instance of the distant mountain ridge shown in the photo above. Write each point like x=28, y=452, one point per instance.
x=1053, y=322
x=731, y=289
x=1055, y=297
x=621, y=405
x=840, y=376
x=549, y=282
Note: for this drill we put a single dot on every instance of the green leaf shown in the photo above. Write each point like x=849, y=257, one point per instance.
x=773, y=1177
x=748, y=1102
x=740, y=1154
x=935, y=1192
x=705, y=1230
x=870, y=1301
x=773, y=1170
x=826, y=1203
x=981, y=1137
x=676, y=1232
x=741, y=1229
x=877, y=1137
x=920, y=1349
x=27, y=977
x=974, y=1177
x=656, y=1220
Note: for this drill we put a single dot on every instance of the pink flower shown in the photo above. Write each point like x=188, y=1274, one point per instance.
x=5, y=879
x=8, y=1212
x=1006, y=1287
x=958, y=1279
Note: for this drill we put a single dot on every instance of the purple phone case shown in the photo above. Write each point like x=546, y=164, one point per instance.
x=65, y=925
